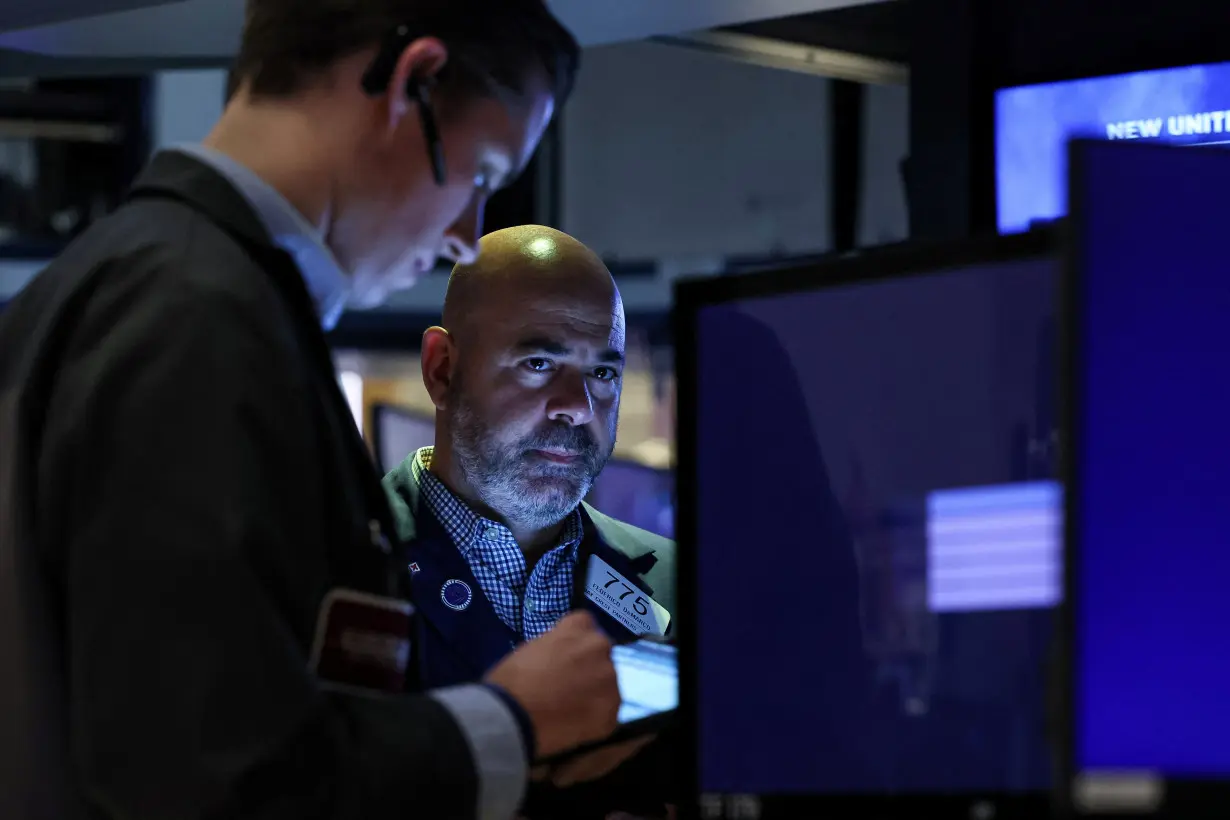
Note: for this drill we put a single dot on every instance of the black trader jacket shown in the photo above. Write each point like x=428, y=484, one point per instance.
x=181, y=482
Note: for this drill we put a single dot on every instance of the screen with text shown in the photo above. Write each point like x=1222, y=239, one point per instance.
x=878, y=535
x=1152, y=448
x=1185, y=106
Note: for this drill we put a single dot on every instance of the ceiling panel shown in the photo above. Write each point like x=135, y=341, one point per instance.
x=210, y=28
x=19, y=15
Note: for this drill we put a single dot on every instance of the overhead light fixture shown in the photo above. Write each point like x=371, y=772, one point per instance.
x=787, y=56
x=31, y=129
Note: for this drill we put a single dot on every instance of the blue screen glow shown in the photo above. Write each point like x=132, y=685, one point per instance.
x=876, y=546
x=1152, y=441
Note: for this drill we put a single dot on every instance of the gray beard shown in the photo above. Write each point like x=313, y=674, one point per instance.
x=508, y=480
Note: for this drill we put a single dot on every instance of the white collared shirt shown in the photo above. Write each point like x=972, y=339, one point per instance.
x=328, y=284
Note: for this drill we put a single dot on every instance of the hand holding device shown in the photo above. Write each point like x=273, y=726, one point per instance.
x=566, y=682
x=648, y=675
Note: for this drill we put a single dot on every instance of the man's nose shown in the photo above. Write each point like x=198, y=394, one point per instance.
x=461, y=239
x=572, y=402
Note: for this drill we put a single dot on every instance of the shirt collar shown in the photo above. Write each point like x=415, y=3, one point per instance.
x=289, y=230
x=468, y=529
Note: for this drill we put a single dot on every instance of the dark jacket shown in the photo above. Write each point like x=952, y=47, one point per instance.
x=181, y=482
x=458, y=646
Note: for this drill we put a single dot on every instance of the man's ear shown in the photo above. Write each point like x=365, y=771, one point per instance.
x=439, y=359
x=419, y=62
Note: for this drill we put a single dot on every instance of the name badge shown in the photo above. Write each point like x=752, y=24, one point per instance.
x=622, y=600
x=362, y=642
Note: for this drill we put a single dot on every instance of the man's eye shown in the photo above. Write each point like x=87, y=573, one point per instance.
x=607, y=374
x=538, y=365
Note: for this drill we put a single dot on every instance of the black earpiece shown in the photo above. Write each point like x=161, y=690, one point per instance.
x=420, y=91
x=376, y=81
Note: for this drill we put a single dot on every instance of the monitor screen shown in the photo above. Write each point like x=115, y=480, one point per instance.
x=637, y=495
x=1150, y=471
x=1188, y=106
x=876, y=532
x=399, y=432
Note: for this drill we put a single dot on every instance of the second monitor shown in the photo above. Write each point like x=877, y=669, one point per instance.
x=869, y=525
x=1148, y=426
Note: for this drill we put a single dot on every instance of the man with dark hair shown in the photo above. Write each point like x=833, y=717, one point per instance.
x=204, y=608
x=485, y=83
x=288, y=44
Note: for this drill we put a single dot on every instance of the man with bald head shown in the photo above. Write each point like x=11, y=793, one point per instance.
x=525, y=374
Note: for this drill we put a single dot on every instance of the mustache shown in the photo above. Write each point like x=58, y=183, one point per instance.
x=564, y=437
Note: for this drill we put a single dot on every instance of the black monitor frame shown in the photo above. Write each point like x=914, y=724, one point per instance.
x=1174, y=798
x=691, y=295
x=379, y=411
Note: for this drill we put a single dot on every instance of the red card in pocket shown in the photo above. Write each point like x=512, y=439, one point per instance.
x=363, y=641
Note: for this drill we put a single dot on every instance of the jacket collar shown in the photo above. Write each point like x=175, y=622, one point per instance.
x=405, y=497
x=245, y=205
x=288, y=229
x=423, y=538
x=179, y=176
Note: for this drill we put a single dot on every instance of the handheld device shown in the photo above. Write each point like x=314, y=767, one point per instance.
x=648, y=672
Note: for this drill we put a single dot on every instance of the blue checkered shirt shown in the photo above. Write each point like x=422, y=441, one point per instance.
x=528, y=602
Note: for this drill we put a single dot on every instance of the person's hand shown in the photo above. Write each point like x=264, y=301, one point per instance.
x=590, y=766
x=565, y=681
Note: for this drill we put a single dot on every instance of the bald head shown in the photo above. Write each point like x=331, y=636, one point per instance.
x=526, y=375
x=528, y=263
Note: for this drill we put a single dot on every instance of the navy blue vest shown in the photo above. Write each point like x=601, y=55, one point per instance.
x=459, y=644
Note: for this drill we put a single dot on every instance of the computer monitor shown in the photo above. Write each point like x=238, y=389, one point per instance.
x=868, y=538
x=1147, y=421
x=636, y=494
x=397, y=432
x=1033, y=123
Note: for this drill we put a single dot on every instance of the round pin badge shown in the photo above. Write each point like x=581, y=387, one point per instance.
x=456, y=594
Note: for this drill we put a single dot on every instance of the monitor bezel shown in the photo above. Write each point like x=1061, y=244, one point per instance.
x=1128, y=63
x=1185, y=798
x=379, y=410
x=692, y=295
